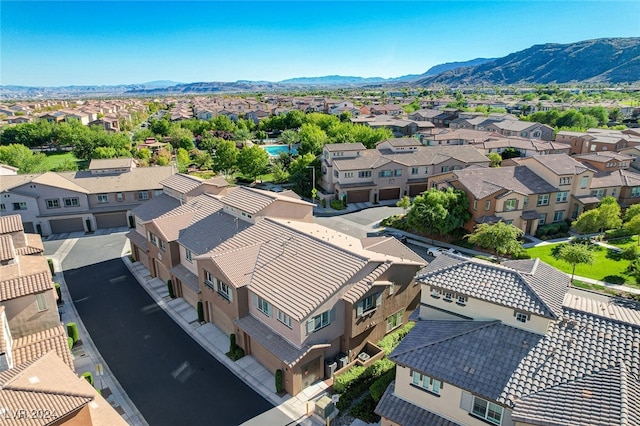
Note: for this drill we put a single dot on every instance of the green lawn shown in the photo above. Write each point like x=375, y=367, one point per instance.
x=607, y=265
x=54, y=159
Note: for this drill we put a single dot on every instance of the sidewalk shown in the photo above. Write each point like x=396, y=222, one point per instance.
x=320, y=211
x=287, y=410
x=85, y=355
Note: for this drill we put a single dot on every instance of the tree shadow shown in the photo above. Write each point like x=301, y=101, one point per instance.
x=614, y=279
x=614, y=255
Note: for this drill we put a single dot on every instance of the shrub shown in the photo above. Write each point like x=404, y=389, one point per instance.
x=200, y=310
x=631, y=253
x=58, y=292
x=232, y=342
x=170, y=288
x=521, y=253
x=617, y=233
x=72, y=331
x=392, y=340
x=380, y=385
x=364, y=410
x=88, y=376
x=279, y=381
x=50, y=262
x=70, y=342
x=238, y=353
x=343, y=381
x=337, y=205
x=324, y=203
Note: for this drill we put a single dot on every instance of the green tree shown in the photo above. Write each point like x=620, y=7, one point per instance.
x=404, y=203
x=242, y=134
x=222, y=122
x=225, y=157
x=441, y=212
x=253, y=161
x=495, y=159
x=633, y=226
x=280, y=174
x=587, y=222
x=290, y=137
x=104, y=152
x=23, y=158
x=203, y=160
x=605, y=216
x=575, y=254
x=300, y=175
x=632, y=212
x=312, y=139
x=181, y=138
x=500, y=237
x=182, y=160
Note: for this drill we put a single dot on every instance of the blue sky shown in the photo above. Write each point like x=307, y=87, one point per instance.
x=89, y=42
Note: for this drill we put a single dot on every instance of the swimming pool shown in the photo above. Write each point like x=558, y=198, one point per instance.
x=275, y=150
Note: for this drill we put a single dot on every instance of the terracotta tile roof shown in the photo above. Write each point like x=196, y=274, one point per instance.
x=138, y=179
x=344, y=147
x=182, y=183
x=10, y=223
x=432, y=155
x=253, y=201
x=111, y=163
x=171, y=223
x=35, y=345
x=47, y=383
x=539, y=290
x=58, y=180
x=203, y=235
x=560, y=164
x=29, y=275
x=392, y=247
x=7, y=252
x=155, y=207
x=33, y=245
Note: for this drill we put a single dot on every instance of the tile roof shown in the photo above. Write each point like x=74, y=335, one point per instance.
x=30, y=275
x=137, y=239
x=155, y=207
x=110, y=163
x=138, y=179
x=483, y=182
x=430, y=155
x=182, y=183
x=186, y=276
x=371, y=159
x=171, y=223
x=615, y=309
x=205, y=234
x=10, y=223
x=539, y=289
x=253, y=201
x=392, y=247
x=32, y=346
x=602, y=398
x=60, y=180
x=33, y=245
x=13, y=181
x=357, y=146
x=405, y=413
x=273, y=342
x=7, y=252
x=561, y=164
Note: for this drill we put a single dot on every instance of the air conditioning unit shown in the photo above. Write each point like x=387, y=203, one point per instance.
x=343, y=360
x=364, y=357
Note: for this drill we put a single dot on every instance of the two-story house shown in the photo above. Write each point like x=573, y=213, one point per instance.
x=300, y=294
x=395, y=168
x=507, y=345
x=523, y=129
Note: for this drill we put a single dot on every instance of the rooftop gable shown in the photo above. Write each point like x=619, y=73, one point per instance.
x=483, y=182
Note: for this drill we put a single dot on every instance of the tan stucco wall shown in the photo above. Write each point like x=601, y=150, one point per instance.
x=24, y=318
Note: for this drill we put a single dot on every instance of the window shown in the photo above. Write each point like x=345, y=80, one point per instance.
x=583, y=183
x=558, y=215
x=348, y=174
x=414, y=171
x=395, y=320
x=448, y=296
x=3, y=207
x=436, y=293
x=208, y=279
x=153, y=239
x=510, y=204
x=364, y=174
x=156, y=192
x=509, y=222
x=284, y=318
x=397, y=172
x=562, y=197
x=425, y=382
x=384, y=173
x=462, y=300
x=475, y=204
x=487, y=410
x=525, y=201
x=426, y=170
x=143, y=195
x=542, y=218
x=188, y=255
x=336, y=174
x=368, y=303
x=487, y=205
x=635, y=191
x=565, y=181
x=53, y=203
x=543, y=199
x=41, y=302
x=162, y=245
x=521, y=317
x=103, y=198
x=444, y=169
x=598, y=193
x=263, y=306
x=224, y=290
x=120, y=196
x=71, y=202
x=318, y=322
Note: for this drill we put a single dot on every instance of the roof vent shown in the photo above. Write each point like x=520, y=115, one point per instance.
x=34, y=379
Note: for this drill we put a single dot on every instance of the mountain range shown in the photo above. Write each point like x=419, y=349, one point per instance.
x=598, y=61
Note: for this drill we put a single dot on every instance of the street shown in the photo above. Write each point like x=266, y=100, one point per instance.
x=170, y=378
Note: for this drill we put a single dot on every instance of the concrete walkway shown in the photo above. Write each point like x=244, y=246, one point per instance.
x=287, y=409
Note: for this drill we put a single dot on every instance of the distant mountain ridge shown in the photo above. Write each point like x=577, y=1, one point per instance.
x=598, y=61
x=608, y=60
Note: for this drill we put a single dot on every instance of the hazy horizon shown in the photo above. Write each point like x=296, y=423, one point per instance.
x=108, y=43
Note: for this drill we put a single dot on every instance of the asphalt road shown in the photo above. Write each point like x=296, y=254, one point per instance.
x=170, y=378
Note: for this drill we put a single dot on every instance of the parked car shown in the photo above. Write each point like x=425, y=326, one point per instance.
x=398, y=236
x=436, y=251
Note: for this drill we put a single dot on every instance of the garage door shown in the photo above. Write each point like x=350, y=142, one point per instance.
x=389, y=194
x=61, y=226
x=111, y=220
x=417, y=189
x=28, y=227
x=361, y=196
x=161, y=271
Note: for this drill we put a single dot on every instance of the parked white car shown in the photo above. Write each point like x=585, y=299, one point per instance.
x=436, y=251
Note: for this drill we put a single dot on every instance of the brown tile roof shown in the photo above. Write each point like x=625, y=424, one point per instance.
x=30, y=275
x=344, y=147
x=138, y=179
x=11, y=223
x=47, y=383
x=7, y=252
x=111, y=163
x=560, y=164
x=33, y=245
x=392, y=247
x=253, y=201
x=35, y=345
x=182, y=183
x=483, y=182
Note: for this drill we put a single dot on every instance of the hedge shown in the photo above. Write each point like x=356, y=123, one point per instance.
x=170, y=288
x=392, y=340
x=200, y=310
x=279, y=381
x=88, y=376
x=364, y=410
x=380, y=385
x=58, y=292
x=72, y=331
x=50, y=262
x=70, y=342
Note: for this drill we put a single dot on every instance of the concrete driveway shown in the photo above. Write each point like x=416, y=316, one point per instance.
x=170, y=378
x=358, y=224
